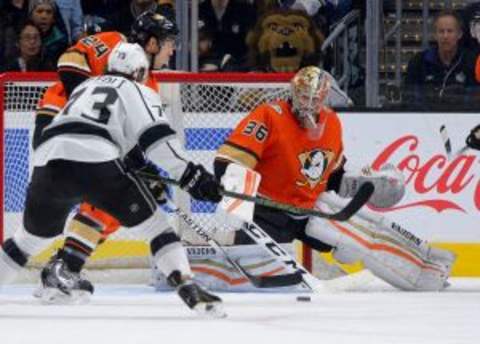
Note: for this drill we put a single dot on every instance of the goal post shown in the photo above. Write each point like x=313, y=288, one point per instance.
x=202, y=107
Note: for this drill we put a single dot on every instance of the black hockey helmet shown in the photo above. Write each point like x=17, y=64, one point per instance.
x=154, y=24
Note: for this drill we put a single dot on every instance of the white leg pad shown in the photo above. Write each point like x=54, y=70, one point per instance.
x=381, y=252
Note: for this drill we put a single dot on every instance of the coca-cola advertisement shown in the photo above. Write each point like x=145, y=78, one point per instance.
x=442, y=202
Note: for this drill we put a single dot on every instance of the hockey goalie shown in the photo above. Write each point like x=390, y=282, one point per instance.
x=296, y=146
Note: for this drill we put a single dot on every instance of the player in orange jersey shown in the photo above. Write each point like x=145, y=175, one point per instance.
x=296, y=146
x=157, y=34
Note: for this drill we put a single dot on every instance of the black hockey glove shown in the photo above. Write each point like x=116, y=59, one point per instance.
x=200, y=184
x=473, y=140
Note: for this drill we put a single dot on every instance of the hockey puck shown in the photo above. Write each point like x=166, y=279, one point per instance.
x=304, y=298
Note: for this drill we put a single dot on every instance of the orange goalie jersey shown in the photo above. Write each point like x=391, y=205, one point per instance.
x=295, y=167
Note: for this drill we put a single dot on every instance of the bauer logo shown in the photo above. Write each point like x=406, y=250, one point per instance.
x=433, y=177
x=201, y=251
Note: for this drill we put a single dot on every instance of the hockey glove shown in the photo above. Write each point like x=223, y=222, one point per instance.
x=473, y=140
x=389, y=185
x=200, y=184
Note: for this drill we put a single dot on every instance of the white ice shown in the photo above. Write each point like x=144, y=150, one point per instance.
x=373, y=313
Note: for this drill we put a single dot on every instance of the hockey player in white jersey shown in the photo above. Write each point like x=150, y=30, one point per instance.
x=80, y=158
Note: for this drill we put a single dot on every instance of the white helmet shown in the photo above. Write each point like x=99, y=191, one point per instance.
x=129, y=60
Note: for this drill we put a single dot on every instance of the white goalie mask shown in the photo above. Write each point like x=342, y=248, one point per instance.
x=129, y=60
x=309, y=89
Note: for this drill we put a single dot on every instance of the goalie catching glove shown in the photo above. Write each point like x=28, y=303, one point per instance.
x=473, y=139
x=389, y=185
x=200, y=184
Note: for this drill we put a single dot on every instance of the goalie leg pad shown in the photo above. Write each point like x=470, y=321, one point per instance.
x=385, y=257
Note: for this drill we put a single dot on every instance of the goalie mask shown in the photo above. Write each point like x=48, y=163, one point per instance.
x=129, y=60
x=309, y=90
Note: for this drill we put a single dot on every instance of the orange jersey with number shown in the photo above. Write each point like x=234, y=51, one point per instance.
x=89, y=56
x=294, y=163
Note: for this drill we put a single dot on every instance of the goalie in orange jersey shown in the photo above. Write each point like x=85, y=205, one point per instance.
x=89, y=57
x=296, y=146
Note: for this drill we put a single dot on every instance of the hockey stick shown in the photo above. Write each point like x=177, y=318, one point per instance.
x=358, y=201
x=289, y=279
x=260, y=237
x=448, y=145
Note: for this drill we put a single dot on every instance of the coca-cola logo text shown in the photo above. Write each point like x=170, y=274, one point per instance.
x=435, y=174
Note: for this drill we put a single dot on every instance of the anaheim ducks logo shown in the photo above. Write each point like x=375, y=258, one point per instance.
x=313, y=166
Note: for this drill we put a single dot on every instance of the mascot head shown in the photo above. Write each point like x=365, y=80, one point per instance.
x=284, y=41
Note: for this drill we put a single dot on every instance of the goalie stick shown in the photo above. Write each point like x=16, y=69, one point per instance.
x=289, y=279
x=358, y=201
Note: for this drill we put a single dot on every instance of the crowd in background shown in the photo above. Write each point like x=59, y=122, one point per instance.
x=34, y=33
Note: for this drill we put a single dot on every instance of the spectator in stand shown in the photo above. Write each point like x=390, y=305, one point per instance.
x=30, y=57
x=445, y=71
x=471, y=17
x=229, y=22
x=96, y=12
x=208, y=59
x=45, y=15
x=12, y=13
x=72, y=15
x=121, y=20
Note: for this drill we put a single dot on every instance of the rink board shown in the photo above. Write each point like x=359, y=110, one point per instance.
x=442, y=202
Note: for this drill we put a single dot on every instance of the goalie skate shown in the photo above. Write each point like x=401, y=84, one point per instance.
x=59, y=285
x=196, y=298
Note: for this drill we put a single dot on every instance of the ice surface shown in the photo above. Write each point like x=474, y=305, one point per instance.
x=371, y=313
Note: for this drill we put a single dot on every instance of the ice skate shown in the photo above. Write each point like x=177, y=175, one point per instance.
x=196, y=298
x=59, y=285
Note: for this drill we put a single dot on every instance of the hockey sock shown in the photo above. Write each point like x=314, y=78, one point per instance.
x=83, y=236
x=169, y=255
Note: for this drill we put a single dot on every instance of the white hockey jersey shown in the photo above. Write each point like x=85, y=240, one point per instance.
x=104, y=119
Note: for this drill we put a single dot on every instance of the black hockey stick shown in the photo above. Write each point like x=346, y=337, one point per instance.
x=358, y=201
x=258, y=281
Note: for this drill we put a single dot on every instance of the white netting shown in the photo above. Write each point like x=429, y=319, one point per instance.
x=203, y=115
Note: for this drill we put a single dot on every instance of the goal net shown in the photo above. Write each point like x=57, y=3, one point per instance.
x=203, y=109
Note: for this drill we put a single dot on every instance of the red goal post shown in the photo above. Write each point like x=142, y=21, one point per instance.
x=203, y=108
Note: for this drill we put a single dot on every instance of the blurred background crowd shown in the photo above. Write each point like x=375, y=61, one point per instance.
x=427, y=51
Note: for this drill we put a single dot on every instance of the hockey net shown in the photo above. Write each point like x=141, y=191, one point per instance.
x=203, y=108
